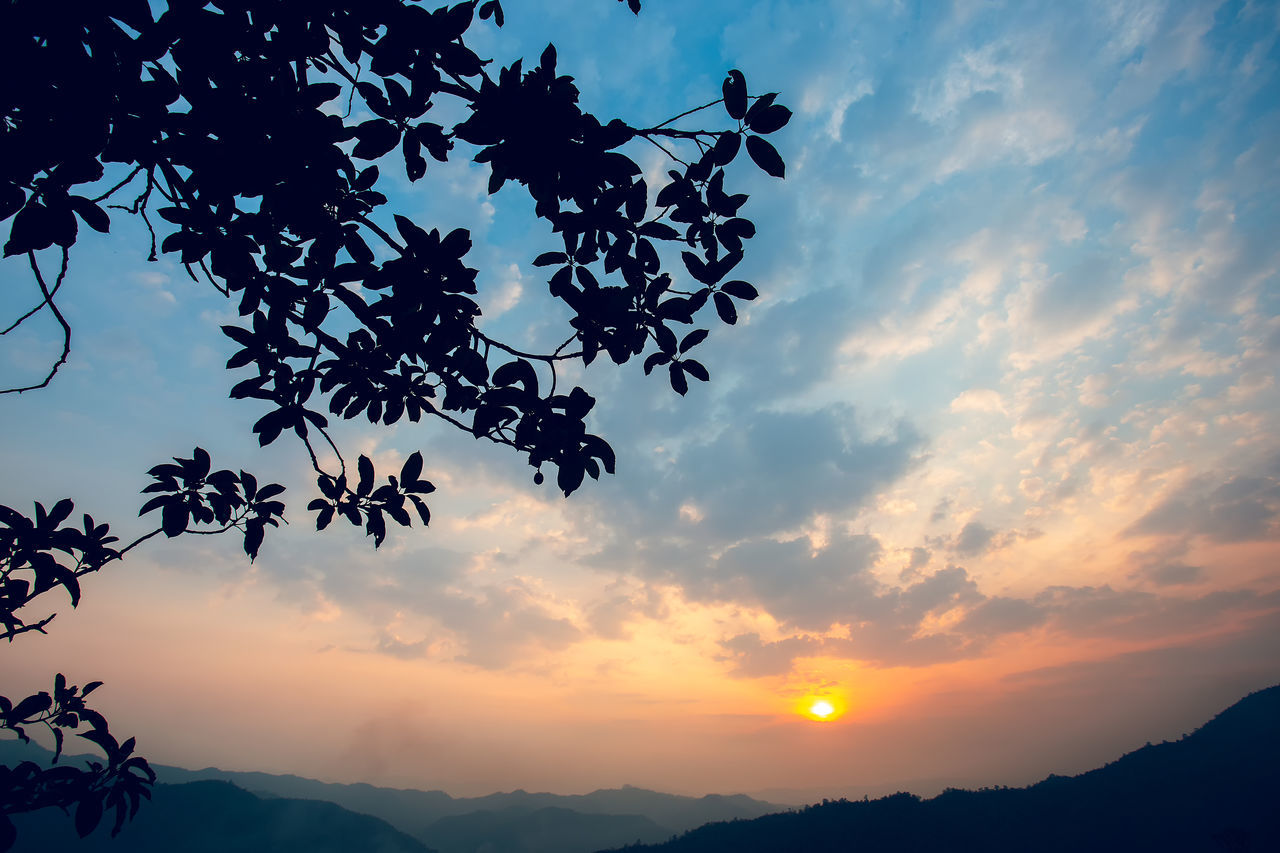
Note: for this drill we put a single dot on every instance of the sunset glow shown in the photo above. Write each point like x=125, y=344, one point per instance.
x=822, y=710
x=984, y=486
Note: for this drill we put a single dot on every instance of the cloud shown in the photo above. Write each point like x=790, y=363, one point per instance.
x=754, y=658
x=797, y=585
x=1240, y=509
x=944, y=616
x=1000, y=615
x=973, y=539
x=1163, y=565
x=762, y=474
x=978, y=400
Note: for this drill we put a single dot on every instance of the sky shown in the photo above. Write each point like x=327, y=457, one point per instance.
x=992, y=465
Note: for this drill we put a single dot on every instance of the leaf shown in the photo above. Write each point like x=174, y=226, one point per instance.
x=696, y=370
x=88, y=814
x=771, y=118
x=174, y=516
x=697, y=268
x=412, y=468
x=678, y=382
x=569, y=476
x=658, y=231
x=365, y=467
x=60, y=512
x=377, y=137
x=93, y=215
x=766, y=156
x=740, y=290
x=724, y=307
x=415, y=165
x=735, y=94
x=654, y=360
x=32, y=230
x=421, y=506
x=155, y=503
x=268, y=491
x=726, y=148
x=692, y=339
x=31, y=706
x=253, y=534
x=201, y=463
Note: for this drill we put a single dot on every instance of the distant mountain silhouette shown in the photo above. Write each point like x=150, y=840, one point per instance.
x=510, y=821
x=1217, y=789
x=546, y=830
x=513, y=822
x=218, y=817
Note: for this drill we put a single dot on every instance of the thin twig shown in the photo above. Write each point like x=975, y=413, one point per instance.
x=664, y=150
x=62, y=321
x=109, y=193
x=518, y=354
x=10, y=633
x=686, y=113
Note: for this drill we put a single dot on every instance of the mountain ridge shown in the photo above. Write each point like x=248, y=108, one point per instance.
x=1213, y=789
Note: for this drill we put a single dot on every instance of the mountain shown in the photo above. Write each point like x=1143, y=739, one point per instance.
x=511, y=822
x=546, y=830
x=1213, y=790
x=415, y=811
x=216, y=817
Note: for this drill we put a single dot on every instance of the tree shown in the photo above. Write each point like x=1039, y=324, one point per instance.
x=237, y=122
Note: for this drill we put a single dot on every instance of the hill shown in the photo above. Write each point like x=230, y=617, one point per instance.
x=511, y=822
x=216, y=817
x=1212, y=790
x=546, y=830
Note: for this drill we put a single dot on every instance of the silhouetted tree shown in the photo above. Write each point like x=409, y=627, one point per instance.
x=233, y=120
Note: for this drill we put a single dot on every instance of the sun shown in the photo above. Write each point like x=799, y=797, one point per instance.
x=822, y=708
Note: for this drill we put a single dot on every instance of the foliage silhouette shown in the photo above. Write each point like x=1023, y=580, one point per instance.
x=255, y=129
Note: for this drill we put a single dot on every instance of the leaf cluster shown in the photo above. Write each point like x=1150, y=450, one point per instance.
x=370, y=506
x=231, y=112
x=39, y=553
x=259, y=132
x=187, y=492
x=120, y=782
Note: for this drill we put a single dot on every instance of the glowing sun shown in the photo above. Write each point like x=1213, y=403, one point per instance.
x=822, y=708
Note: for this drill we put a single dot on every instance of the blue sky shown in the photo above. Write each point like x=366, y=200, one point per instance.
x=992, y=460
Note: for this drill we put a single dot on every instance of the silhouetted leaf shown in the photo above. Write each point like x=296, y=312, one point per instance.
x=726, y=148
x=739, y=290
x=692, y=339
x=365, y=467
x=174, y=516
x=766, y=156
x=412, y=468
x=735, y=94
x=678, y=382
x=376, y=137
x=88, y=814
x=695, y=369
x=32, y=230
x=93, y=215
x=770, y=119
x=724, y=307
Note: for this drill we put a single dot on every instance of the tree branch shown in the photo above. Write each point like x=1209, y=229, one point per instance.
x=62, y=321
